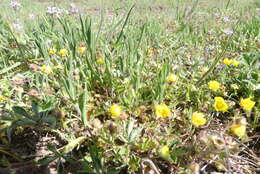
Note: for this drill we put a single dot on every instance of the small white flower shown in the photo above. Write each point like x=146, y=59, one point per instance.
x=72, y=5
x=51, y=10
x=226, y=19
x=32, y=16
x=73, y=9
x=17, y=27
x=15, y=4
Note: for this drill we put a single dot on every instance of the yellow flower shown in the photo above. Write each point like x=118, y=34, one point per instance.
x=227, y=61
x=162, y=111
x=198, y=119
x=64, y=52
x=247, y=104
x=46, y=69
x=235, y=63
x=52, y=51
x=100, y=61
x=239, y=130
x=214, y=85
x=115, y=111
x=172, y=78
x=3, y=98
x=220, y=104
x=165, y=151
x=82, y=50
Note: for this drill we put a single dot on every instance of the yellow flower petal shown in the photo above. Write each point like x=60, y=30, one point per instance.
x=227, y=61
x=52, y=51
x=165, y=151
x=214, y=85
x=82, y=50
x=115, y=111
x=247, y=104
x=64, y=52
x=198, y=119
x=46, y=69
x=220, y=104
x=239, y=130
x=162, y=111
x=172, y=78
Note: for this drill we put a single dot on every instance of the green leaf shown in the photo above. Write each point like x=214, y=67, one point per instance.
x=20, y=111
x=74, y=143
x=82, y=103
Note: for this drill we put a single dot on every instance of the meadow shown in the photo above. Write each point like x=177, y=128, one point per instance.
x=129, y=86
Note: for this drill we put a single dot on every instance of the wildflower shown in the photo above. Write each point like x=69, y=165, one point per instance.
x=15, y=5
x=162, y=111
x=82, y=50
x=32, y=16
x=247, y=104
x=235, y=63
x=227, y=61
x=226, y=19
x=46, y=69
x=220, y=104
x=100, y=61
x=165, y=151
x=172, y=78
x=3, y=98
x=239, y=130
x=198, y=119
x=51, y=10
x=214, y=85
x=73, y=9
x=115, y=111
x=52, y=51
x=228, y=31
x=64, y=52
x=17, y=27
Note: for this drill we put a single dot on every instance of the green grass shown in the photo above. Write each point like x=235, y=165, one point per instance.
x=132, y=48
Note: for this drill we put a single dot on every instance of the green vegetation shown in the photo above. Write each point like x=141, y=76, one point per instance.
x=129, y=87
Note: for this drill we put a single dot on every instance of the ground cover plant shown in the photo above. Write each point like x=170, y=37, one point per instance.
x=107, y=87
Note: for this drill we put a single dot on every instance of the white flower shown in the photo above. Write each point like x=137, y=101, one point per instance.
x=226, y=19
x=32, y=16
x=15, y=4
x=17, y=27
x=72, y=5
x=73, y=9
